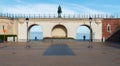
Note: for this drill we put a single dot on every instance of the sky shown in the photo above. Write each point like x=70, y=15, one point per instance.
x=83, y=29
x=68, y=6
x=36, y=29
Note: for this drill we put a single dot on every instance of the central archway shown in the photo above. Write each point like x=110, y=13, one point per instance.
x=59, y=31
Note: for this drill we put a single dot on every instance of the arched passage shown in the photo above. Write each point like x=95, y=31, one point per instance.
x=59, y=31
x=35, y=32
x=84, y=33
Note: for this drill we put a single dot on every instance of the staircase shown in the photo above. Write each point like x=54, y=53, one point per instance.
x=115, y=37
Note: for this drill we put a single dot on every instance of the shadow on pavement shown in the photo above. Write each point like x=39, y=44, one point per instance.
x=59, y=50
x=114, y=44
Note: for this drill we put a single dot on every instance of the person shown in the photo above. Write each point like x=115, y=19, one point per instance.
x=35, y=38
x=84, y=37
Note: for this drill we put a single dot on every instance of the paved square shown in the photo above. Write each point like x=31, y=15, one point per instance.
x=102, y=54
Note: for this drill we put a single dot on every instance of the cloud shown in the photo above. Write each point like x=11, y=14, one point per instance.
x=46, y=9
x=83, y=29
x=36, y=9
x=83, y=9
x=18, y=1
x=36, y=29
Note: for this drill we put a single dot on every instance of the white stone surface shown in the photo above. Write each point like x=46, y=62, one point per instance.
x=20, y=27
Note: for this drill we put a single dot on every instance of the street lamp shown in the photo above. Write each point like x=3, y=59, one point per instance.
x=27, y=21
x=90, y=19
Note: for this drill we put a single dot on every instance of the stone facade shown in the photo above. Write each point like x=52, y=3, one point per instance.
x=10, y=26
x=19, y=26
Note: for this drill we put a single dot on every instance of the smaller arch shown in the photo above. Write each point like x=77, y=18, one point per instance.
x=84, y=32
x=35, y=32
x=87, y=26
x=32, y=26
x=59, y=31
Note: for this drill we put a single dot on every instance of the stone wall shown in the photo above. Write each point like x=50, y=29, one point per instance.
x=19, y=27
x=10, y=26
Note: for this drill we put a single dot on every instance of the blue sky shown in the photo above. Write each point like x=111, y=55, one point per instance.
x=68, y=6
x=36, y=29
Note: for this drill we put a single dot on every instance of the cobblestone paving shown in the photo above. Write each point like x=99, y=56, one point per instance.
x=101, y=54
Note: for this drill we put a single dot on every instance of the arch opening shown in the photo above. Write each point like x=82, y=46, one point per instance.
x=35, y=33
x=59, y=31
x=84, y=33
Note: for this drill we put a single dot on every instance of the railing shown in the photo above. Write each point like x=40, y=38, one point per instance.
x=9, y=15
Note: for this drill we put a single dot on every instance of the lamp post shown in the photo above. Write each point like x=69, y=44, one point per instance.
x=27, y=21
x=90, y=20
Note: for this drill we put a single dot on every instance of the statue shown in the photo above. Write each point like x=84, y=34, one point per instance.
x=59, y=11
